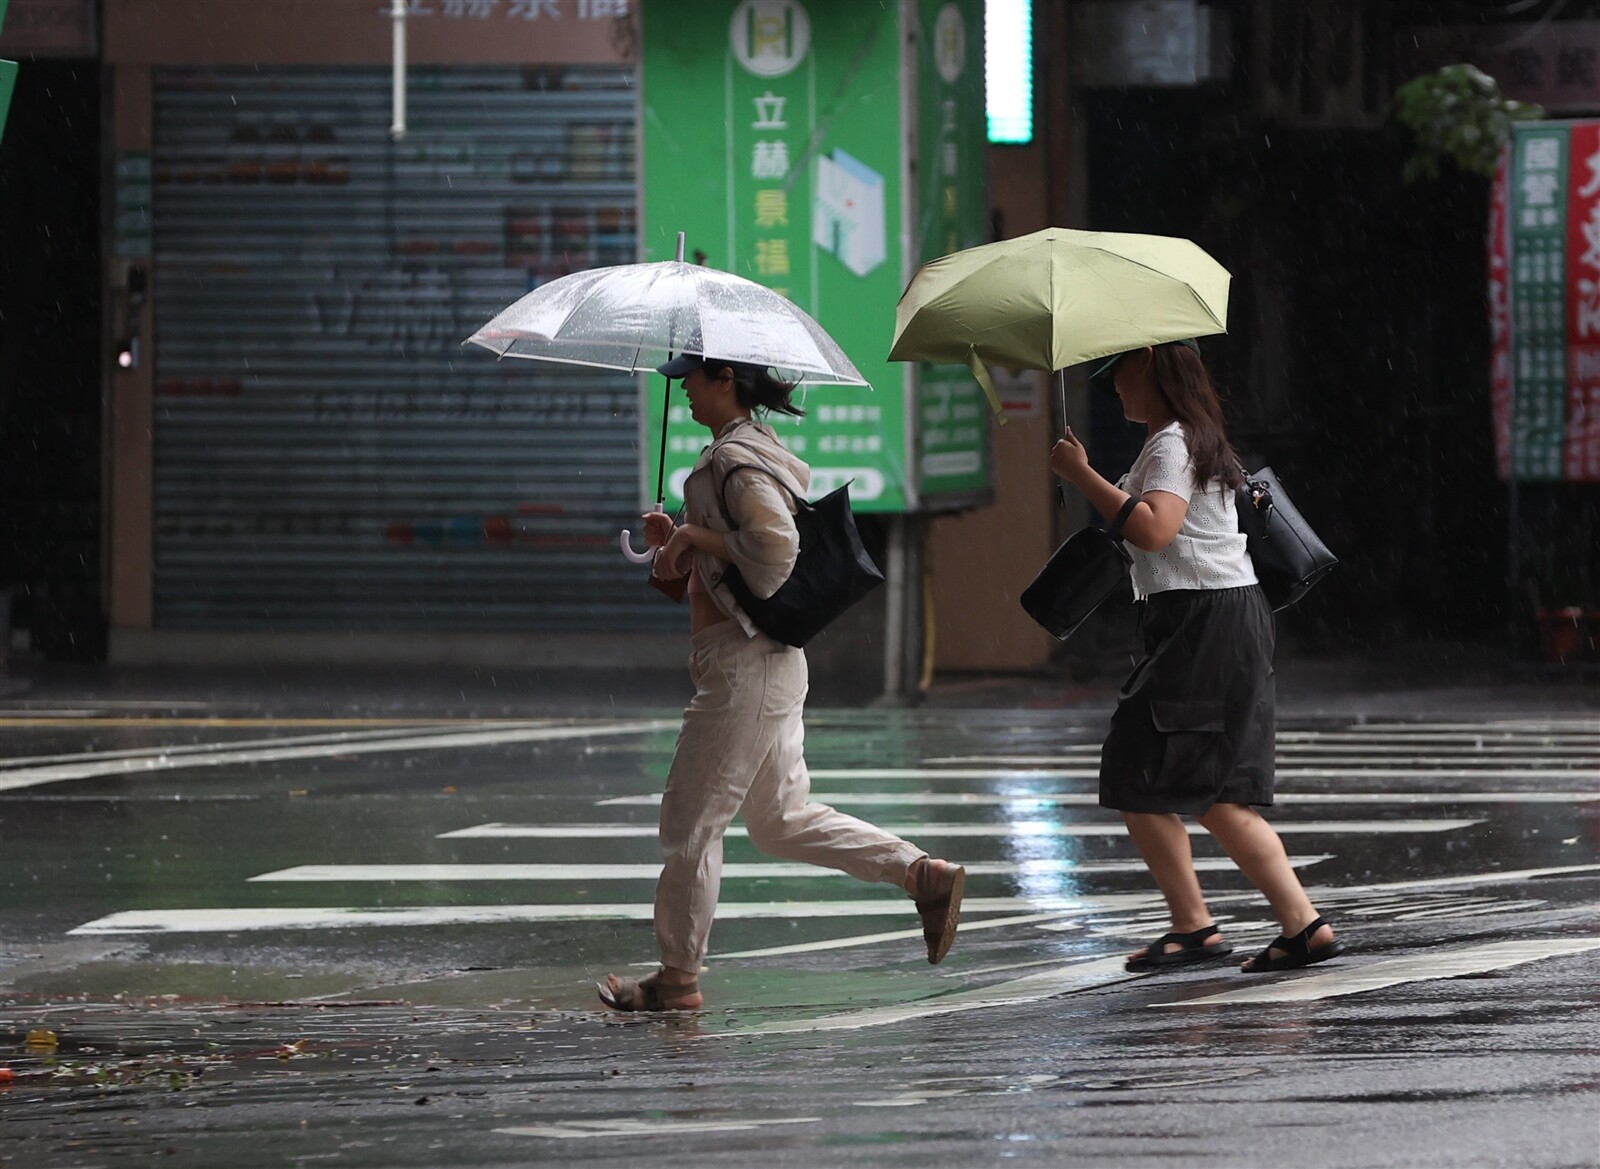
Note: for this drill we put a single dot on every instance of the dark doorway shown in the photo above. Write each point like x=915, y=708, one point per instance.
x=51, y=510
x=1357, y=358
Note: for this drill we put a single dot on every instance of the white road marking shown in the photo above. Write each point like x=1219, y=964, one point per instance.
x=1303, y=752
x=1434, y=964
x=1467, y=879
x=1039, y=828
x=351, y=917
x=164, y=751
x=134, y=768
x=569, y=1130
x=1105, y=971
x=1343, y=771
x=649, y=872
x=29, y=710
x=926, y=799
x=967, y=927
x=1032, y=988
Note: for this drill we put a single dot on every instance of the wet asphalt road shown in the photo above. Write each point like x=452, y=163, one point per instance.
x=371, y=940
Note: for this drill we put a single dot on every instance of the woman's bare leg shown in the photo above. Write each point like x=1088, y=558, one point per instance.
x=1256, y=848
x=1163, y=842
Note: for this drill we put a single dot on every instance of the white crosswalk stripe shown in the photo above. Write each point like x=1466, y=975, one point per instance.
x=1347, y=980
x=1017, y=829
x=771, y=870
x=145, y=763
x=927, y=799
x=1043, y=856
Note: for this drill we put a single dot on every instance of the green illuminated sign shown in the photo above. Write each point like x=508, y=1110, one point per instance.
x=776, y=136
x=1009, y=68
x=771, y=138
x=952, y=448
x=8, y=82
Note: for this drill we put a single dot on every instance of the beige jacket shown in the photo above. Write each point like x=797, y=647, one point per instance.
x=766, y=543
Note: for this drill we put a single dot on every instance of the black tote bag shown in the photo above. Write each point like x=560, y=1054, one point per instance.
x=1080, y=577
x=831, y=573
x=1289, y=557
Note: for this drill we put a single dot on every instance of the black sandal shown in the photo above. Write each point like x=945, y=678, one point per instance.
x=1297, y=952
x=1193, y=949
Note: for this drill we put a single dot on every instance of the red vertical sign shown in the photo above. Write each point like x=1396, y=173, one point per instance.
x=1582, y=455
x=1500, y=385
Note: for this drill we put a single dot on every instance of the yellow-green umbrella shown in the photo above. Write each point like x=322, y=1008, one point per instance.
x=1058, y=297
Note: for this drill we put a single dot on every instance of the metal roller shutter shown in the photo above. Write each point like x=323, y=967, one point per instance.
x=326, y=454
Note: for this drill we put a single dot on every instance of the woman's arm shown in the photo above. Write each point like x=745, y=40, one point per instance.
x=673, y=561
x=1155, y=519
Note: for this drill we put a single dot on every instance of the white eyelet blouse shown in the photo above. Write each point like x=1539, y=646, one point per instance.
x=1209, y=551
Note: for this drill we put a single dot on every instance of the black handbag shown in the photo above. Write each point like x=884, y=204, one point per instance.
x=1289, y=557
x=831, y=572
x=1081, y=576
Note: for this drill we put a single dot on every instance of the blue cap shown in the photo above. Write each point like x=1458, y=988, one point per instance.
x=681, y=366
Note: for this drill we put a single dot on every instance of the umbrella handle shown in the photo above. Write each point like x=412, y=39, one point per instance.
x=636, y=557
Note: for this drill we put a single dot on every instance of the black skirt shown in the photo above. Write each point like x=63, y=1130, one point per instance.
x=1195, y=723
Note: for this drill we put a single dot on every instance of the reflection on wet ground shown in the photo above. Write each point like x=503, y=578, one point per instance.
x=378, y=939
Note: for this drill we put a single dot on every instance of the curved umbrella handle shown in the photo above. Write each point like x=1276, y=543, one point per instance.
x=636, y=557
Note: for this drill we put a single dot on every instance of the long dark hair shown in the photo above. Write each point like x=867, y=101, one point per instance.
x=1186, y=387
x=757, y=389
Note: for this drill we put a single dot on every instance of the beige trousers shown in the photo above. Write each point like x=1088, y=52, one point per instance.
x=742, y=748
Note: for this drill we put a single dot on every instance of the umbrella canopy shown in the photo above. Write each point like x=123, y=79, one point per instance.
x=635, y=316
x=1058, y=297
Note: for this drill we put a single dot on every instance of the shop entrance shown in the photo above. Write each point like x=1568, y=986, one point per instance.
x=51, y=362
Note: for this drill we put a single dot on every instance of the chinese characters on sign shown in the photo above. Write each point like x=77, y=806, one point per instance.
x=772, y=141
x=1544, y=292
x=1583, y=305
x=952, y=416
x=1554, y=63
x=1538, y=281
x=1500, y=389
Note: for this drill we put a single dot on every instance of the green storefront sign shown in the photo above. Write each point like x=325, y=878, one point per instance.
x=775, y=137
x=1538, y=301
x=953, y=416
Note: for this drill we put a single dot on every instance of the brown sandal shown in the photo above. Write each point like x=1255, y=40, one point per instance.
x=938, y=901
x=649, y=994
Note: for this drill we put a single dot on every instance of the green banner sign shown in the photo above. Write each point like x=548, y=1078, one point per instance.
x=1538, y=226
x=772, y=135
x=953, y=427
x=8, y=82
x=8, y=76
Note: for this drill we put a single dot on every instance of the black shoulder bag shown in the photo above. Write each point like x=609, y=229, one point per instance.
x=1080, y=577
x=831, y=573
x=1288, y=556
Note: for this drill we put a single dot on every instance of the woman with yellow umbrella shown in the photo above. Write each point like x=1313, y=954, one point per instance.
x=1193, y=732
x=1194, y=729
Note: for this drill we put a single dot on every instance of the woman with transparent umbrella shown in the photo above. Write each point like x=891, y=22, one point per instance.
x=741, y=748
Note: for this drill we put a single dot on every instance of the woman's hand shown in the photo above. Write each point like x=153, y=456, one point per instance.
x=1069, y=458
x=674, y=560
x=658, y=528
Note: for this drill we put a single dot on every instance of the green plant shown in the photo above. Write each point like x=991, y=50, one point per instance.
x=1457, y=114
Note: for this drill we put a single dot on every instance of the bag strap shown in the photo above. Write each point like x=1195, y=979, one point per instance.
x=1115, y=530
x=722, y=490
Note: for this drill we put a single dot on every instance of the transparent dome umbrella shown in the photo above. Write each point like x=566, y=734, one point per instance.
x=634, y=317
x=1058, y=297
